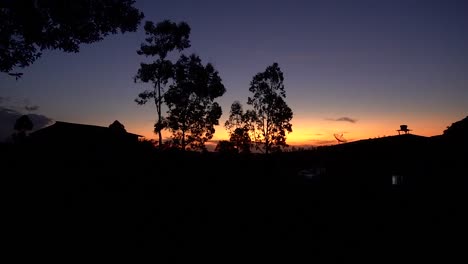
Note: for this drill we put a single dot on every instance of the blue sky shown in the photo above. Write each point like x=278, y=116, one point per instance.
x=381, y=63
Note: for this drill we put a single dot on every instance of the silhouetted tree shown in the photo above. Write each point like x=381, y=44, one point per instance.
x=22, y=125
x=241, y=139
x=162, y=39
x=272, y=115
x=457, y=132
x=29, y=27
x=458, y=129
x=192, y=112
x=226, y=147
x=238, y=127
x=236, y=117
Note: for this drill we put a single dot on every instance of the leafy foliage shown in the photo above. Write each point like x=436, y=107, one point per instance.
x=457, y=133
x=29, y=27
x=236, y=117
x=166, y=36
x=192, y=112
x=23, y=124
x=241, y=139
x=162, y=39
x=271, y=115
x=238, y=127
x=458, y=129
x=226, y=147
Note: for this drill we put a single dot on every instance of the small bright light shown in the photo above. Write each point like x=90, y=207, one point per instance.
x=396, y=179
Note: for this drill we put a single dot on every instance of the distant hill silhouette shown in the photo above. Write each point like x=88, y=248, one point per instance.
x=458, y=131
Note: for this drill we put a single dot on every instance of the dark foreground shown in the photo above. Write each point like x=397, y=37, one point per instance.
x=190, y=207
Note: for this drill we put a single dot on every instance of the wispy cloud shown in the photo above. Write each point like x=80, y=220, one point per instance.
x=343, y=119
x=312, y=134
x=17, y=104
x=31, y=108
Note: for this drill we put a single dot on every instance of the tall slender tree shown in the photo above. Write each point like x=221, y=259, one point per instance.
x=271, y=114
x=163, y=38
x=193, y=113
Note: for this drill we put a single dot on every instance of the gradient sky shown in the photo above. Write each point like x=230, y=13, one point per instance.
x=378, y=63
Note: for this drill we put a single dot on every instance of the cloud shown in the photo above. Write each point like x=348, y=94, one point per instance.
x=343, y=119
x=9, y=116
x=17, y=104
x=31, y=108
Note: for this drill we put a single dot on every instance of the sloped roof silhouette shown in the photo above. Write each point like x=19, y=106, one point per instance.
x=77, y=128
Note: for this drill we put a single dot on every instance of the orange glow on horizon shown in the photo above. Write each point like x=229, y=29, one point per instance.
x=319, y=131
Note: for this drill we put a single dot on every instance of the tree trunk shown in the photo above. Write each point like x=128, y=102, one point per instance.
x=159, y=114
x=183, y=140
x=267, y=142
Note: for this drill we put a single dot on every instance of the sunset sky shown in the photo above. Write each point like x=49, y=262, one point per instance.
x=361, y=68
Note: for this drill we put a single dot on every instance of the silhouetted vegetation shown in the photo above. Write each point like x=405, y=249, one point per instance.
x=163, y=38
x=87, y=188
x=269, y=120
x=192, y=112
x=226, y=147
x=458, y=131
x=238, y=125
x=22, y=125
x=352, y=201
x=29, y=27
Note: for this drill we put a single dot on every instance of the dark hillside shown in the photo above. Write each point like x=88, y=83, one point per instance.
x=222, y=207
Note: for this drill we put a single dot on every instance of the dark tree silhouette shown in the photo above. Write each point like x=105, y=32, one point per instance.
x=236, y=117
x=457, y=133
x=226, y=147
x=241, y=139
x=29, y=27
x=239, y=127
x=192, y=112
x=22, y=125
x=272, y=115
x=458, y=129
x=162, y=39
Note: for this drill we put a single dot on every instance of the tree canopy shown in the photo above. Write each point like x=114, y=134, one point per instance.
x=23, y=124
x=163, y=38
x=271, y=115
x=29, y=27
x=166, y=36
x=192, y=112
x=458, y=131
x=269, y=120
x=238, y=127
